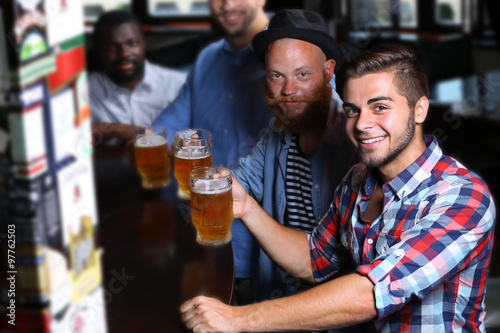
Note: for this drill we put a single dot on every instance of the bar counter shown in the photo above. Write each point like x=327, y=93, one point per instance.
x=151, y=261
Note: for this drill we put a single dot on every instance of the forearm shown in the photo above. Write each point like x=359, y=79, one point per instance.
x=287, y=247
x=342, y=302
x=104, y=131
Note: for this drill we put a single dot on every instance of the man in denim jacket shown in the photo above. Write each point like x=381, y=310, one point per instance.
x=296, y=166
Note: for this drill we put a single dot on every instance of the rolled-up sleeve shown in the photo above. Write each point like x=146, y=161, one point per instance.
x=328, y=254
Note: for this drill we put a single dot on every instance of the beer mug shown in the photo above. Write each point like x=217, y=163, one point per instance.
x=212, y=205
x=192, y=149
x=151, y=155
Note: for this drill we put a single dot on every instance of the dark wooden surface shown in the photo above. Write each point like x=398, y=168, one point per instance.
x=151, y=261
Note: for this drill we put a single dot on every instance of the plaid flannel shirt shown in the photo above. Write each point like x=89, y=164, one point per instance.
x=427, y=253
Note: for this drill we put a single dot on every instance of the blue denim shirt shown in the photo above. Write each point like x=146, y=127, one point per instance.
x=223, y=94
x=262, y=174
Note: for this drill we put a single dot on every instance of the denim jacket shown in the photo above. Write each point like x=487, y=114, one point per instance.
x=262, y=174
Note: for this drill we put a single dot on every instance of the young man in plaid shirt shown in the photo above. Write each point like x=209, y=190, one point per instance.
x=417, y=225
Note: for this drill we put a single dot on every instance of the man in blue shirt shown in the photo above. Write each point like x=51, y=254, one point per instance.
x=295, y=168
x=223, y=92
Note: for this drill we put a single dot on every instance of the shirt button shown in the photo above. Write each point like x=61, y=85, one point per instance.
x=370, y=241
x=230, y=96
x=318, y=218
x=399, y=252
x=316, y=186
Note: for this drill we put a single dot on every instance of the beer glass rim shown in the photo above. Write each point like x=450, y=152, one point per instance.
x=203, y=170
x=205, y=137
x=153, y=130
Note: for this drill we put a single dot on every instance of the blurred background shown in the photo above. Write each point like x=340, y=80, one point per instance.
x=357, y=24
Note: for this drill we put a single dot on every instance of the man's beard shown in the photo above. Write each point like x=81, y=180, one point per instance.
x=401, y=143
x=248, y=20
x=120, y=78
x=314, y=115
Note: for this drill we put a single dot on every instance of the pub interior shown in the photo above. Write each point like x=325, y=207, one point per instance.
x=457, y=41
x=150, y=262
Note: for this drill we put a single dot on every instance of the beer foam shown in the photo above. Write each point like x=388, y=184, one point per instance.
x=150, y=141
x=192, y=153
x=208, y=186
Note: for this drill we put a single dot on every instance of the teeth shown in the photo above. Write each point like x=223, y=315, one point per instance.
x=373, y=140
x=231, y=16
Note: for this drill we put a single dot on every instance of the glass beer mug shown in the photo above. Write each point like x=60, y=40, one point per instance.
x=192, y=149
x=151, y=155
x=212, y=204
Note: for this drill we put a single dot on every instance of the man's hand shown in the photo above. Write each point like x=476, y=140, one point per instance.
x=328, y=305
x=103, y=131
x=204, y=314
x=126, y=132
x=241, y=200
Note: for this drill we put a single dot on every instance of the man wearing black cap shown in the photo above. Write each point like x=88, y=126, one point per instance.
x=297, y=165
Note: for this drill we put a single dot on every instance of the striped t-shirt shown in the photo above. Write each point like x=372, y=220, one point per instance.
x=298, y=185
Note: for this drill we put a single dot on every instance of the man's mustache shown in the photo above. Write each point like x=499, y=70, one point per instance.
x=125, y=61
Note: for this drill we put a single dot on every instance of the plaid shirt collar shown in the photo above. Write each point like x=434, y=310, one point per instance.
x=408, y=180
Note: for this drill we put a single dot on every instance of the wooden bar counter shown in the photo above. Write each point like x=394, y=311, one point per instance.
x=151, y=261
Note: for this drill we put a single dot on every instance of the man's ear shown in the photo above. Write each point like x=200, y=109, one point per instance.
x=330, y=68
x=421, y=109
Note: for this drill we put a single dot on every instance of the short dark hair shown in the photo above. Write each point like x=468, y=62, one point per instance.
x=113, y=18
x=409, y=75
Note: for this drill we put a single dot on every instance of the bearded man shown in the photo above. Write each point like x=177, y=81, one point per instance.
x=295, y=168
x=129, y=92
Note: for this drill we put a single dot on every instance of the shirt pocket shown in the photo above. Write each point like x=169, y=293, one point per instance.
x=395, y=224
x=347, y=239
x=384, y=242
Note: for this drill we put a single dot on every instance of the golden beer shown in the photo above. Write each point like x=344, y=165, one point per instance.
x=211, y=207
x=192, y=150
x=153, y=164
x=185, y=162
